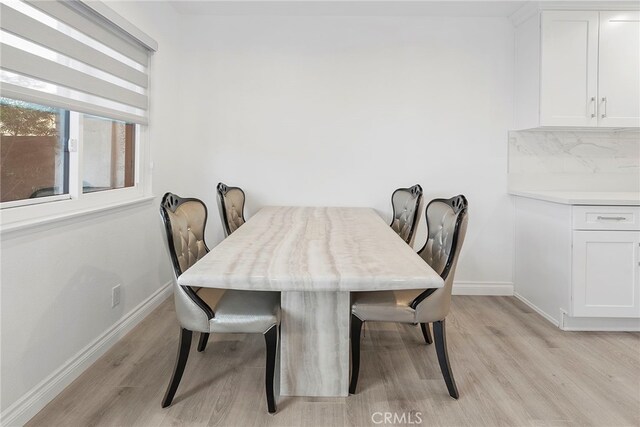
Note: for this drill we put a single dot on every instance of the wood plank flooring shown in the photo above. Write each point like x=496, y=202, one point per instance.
x=512, y=367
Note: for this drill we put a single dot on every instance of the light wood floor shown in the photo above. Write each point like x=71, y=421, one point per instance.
x=512, y=368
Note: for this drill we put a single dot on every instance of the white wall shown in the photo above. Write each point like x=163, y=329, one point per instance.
x=296, y=110
x=57, y=279
x=342, y=110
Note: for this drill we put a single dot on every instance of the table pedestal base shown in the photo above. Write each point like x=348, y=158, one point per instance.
x=315, y=344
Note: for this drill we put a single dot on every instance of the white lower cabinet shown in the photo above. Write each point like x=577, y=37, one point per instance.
x=579, y=266
x=606, y=273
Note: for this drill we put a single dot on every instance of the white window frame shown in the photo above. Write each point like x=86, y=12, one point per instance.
x=32, y=212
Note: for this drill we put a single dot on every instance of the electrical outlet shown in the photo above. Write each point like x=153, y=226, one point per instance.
x=115, y=296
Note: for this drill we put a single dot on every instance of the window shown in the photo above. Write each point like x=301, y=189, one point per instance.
x=34, y=152
x=73, y=106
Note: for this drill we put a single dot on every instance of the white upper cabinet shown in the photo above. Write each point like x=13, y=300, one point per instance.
x=578, y=68
x=619, y=69
x=569, y=68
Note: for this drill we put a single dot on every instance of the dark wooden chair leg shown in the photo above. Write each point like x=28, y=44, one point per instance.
x=426, y=333
x=202, y=344
x=271, y=340
x=356, y=328
x=181, y=362
x=443, y=358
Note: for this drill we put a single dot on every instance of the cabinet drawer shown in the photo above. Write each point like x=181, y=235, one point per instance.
x=606, y=218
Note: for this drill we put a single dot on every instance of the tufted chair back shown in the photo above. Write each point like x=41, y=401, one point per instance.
x=184, y=221
x=447, y=227
x=231, y=205
x=406, y=204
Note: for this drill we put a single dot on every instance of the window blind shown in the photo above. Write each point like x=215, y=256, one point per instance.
x=67, y=54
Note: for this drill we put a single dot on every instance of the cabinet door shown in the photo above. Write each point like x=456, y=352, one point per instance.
x=568, y=68
x=606, y=274
x=619, y=74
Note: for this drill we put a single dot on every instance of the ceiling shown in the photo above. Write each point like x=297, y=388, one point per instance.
x=348, y=7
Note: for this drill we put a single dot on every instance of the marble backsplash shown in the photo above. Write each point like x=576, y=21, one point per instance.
x=586, y=160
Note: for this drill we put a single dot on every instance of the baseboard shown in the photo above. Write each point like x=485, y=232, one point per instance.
x=600, y=324
x=482, y=288
x=537, y=309
x=594, y=324
x=21, y=411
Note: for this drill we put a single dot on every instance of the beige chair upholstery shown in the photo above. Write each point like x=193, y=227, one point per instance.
x=447, y=225
x=447, y=229
x=385, y=306
x=208, y=310
x=231, y=205
x=406, y=203
x=242, y=311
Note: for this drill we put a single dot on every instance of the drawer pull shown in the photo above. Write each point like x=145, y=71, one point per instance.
x=611, y=218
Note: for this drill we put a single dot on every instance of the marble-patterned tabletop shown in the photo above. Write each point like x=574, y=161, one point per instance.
x=313, y=249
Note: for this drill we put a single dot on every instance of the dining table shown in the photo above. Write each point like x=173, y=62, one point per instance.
x=315, y=257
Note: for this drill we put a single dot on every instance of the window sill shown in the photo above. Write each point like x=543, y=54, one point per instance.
x=36, y=222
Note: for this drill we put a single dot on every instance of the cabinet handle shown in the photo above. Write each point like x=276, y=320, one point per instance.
x=611, y=218
x=593, y=103
x=604, y=104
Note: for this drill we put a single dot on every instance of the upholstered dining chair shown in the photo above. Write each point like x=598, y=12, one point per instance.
x=208, y=310
x=406, y=203
x=231, y=206
x=447, y=225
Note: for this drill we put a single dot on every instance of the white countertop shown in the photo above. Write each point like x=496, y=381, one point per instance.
x=613, y=198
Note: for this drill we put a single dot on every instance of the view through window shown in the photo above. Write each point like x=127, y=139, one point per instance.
x=33, y=157
x=108, y=154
